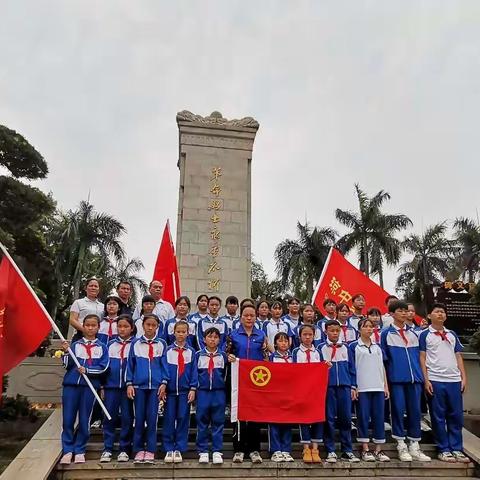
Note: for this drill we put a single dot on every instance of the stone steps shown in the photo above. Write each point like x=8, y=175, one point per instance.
x=94, y=470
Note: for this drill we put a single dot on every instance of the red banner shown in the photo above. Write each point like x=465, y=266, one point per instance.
x=166, y=269
x=23, y=323
x=269, y=392
x=340, y=280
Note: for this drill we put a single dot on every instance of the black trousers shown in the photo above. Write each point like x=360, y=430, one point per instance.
x=246, y=437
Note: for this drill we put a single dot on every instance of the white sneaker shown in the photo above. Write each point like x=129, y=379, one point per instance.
x=106, y=457
x=446, y=457
x=123, y=457
x=331, y=458
x=177, y=457
x=277, y=457
x=417, y=454
x=403, y=454
x=168, y=457
x=460, y=456
x=238, y=457
x=80, y=458
x=255, y=457
x=387, y=426
x=424, y=426
x=66, y=459
x=203, y=457
x=217, y=458
x=96, y=424
x=287, y=457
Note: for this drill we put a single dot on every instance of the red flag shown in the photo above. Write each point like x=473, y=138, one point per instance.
x=166, y=269
x=340, y=280
x=270, y=392
x=23, y=323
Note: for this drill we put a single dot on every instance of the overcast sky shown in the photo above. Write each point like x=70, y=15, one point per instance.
x=384, y=93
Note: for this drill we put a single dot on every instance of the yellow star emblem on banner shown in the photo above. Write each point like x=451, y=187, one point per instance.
x=260, y=376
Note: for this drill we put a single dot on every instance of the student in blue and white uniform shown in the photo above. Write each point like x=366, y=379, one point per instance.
x=163, y=310
x=445, y=381
x=212, y=320
x=387, y=318
x=202, y=309
x=275, y=325
x=280, y=434
x=211, y=365
x=182, y=307
x=263, y=312
x=145, y=378
x=348, y=333
x=147, y=305
x=341, y=391
x=231, y=306
x=180, y=393
x=108, y=324
x=330, y=307
x=308, y=318
x=114, y=391
x=247, y=342
x=293, y=316
x=310, y=435
x=358, y=304
x=405, y=377
x=88, y=305
x=372, y=390
x=77, y=398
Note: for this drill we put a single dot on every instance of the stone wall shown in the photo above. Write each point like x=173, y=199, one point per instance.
x=214, y=209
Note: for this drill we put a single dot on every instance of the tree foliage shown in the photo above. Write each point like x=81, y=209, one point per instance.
x=467, y=235
x=262, y=288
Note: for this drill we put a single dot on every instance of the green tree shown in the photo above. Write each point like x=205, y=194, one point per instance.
x=467, y=234
x=372, y=233
x=262, y=287
x=431, y=259
x=300, y=262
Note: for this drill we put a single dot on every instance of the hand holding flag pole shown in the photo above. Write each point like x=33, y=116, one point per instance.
x=55, y=327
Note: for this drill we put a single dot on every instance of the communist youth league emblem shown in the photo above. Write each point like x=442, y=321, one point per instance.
x=260, y=376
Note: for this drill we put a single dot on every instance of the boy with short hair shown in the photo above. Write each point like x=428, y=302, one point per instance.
x=231, y=305
x=341, y=391
x=445, y=381
x=358, y=304
x=404, y=373
x=330, y=307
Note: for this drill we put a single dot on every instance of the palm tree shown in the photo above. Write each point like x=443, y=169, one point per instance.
x=432, y=258
x=467, y=235
x=372, y=233
x=83, y=232
x=127, y=270
x=302, y=260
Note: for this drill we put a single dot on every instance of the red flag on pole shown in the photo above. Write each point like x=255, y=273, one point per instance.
x=270, y=392
x=23, y=323
x=340, y=280
x=166, y=269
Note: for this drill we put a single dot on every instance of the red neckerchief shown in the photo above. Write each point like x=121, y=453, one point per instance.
x=442, y=334
x=377, y=335
x=110, y=323
x=211, y=363
x=334, y=350
x=122, y=349
x=89, y=347
x=402, y=334
x=150, y=350
x=181, y=361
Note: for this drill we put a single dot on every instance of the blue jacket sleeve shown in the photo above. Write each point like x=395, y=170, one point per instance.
x=351, y=364
x=194, y=372
x=131, y=364
x=200, y=341
x=422, y=341
x=164, y=365
x=383, y=344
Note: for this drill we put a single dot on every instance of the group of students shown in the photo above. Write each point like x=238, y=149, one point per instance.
x=377, y=364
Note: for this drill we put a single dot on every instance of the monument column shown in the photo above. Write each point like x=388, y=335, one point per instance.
x=214, y=206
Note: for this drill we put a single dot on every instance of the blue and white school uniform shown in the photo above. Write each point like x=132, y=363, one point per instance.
x=107, y=330
x=405, y=378
x=293, y=322
x=354, y=320
x=146, y=371
x=446, y=404
x=211, y=373
x=176, y=417
x=341, y=378
x=321, y=324
x=77, y=398
x=272, y=327
x=169, y=333
x=197, y=316
x=115, y=396
x=348, y=333
x=139, y=327
x=163, y=310
x=318, y=337
x=314, y=431
x=280, y=434
x=209, y=322
x=229, y=320
x=370, y=382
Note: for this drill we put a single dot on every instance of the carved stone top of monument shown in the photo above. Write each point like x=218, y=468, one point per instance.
x=216, y=119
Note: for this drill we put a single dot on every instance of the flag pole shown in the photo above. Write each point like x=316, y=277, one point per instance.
x=317, y=287
x=56, y=329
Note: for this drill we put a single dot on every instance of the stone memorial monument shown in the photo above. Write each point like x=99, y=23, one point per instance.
x=214, y=206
